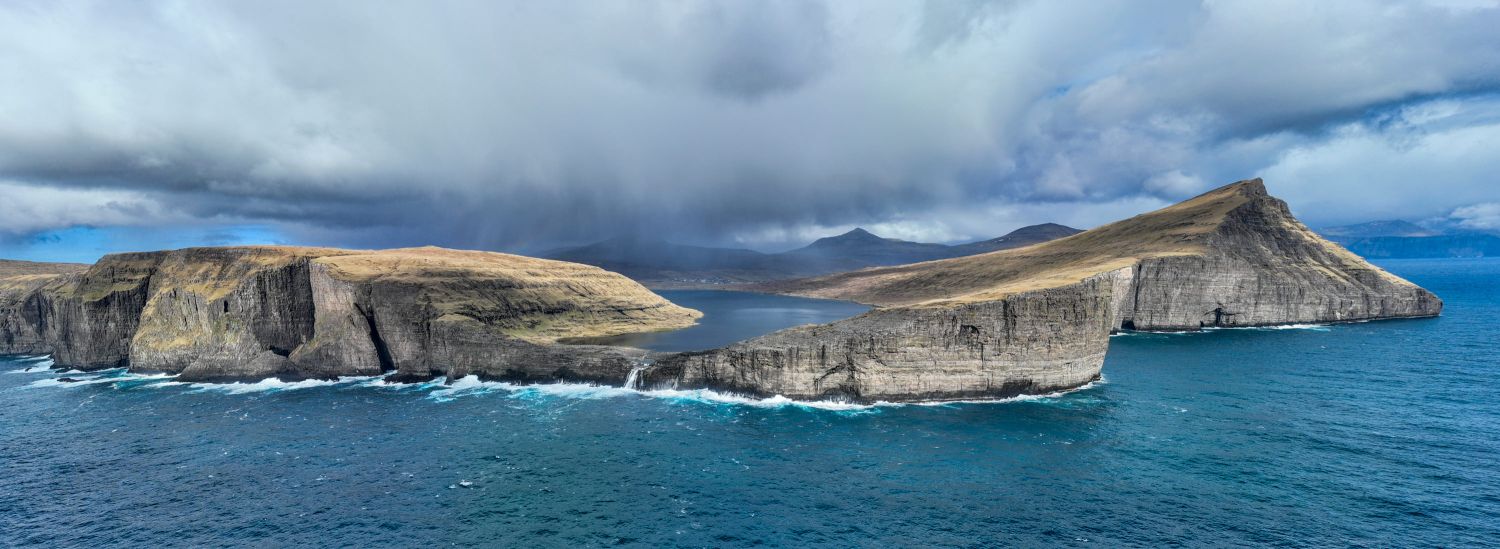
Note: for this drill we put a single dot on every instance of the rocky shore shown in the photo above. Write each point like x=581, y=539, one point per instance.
x=1023, y=321
x=248, y=313
x=1037, y=319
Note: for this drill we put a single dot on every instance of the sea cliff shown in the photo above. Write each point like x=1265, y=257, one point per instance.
x=1037, y=319
x=1028, y=320
x=247, y=313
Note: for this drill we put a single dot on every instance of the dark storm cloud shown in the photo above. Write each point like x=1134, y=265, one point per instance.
x=506, y=125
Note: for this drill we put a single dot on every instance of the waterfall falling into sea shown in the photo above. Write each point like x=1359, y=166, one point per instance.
x=632, y=379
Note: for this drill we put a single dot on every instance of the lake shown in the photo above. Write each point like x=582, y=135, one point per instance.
x=733, y=316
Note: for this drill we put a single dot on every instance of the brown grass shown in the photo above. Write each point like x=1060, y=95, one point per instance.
x=1179, y=229
x=549, y=299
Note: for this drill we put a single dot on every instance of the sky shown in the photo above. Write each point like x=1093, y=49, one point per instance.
x=764, y=124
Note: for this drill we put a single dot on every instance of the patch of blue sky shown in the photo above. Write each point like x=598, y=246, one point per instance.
x=85, y=244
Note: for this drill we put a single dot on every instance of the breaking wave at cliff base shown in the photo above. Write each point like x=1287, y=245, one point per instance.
x=442, y=390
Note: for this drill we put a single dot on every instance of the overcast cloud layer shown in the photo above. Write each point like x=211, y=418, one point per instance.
x=525, y=125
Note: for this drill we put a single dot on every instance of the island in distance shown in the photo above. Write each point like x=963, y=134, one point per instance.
x=1027, y=320
x=1406, y=240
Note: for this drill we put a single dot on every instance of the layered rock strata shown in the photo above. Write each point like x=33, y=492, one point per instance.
x=248, y=313
x=1023, y=321
x=1038, y=319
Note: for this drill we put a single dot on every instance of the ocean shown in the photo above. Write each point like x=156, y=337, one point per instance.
x=1372, y=434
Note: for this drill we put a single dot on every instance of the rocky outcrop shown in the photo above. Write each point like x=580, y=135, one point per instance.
x=243, y=313
x=22, y=305
x=1023, y=321
x=1038, y=319
x=1028, y=343
x=1262, y=268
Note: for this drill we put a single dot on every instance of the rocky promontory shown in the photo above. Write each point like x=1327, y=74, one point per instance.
x=248, y=313
x=1028, y=320
x=1037, y=319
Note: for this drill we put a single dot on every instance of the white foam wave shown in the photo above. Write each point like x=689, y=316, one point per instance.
x=467, y=385
x=1311, y=327
x=1314, y=327
x=107, y=376
x=778, y=401
x=1017, y=398
x=273, y=385
x=384, y=382
x=442, y=390
x=570, y=390
x=473, y=386
x=30, y=360
x=33, y=365
x=707, y=396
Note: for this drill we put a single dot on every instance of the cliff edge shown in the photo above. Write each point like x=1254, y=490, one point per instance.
x=247, y=313
x=1037, y=319
x=1028, y=320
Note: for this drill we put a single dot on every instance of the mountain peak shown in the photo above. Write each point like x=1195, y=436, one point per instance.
x=1237, y=221
x=856, y=237
x=858, y=233
x=1251, y=187
x=1045, y=231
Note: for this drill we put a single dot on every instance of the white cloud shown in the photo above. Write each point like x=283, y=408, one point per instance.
x=1174, y=184
x=494, y=124
x=1365, y=172
x=31, y=208
x=1484, y=217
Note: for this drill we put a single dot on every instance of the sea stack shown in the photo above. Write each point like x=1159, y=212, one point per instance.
x=1037, y=319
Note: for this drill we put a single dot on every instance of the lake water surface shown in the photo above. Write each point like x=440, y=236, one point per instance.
x=1375, y=434
x=733, y=316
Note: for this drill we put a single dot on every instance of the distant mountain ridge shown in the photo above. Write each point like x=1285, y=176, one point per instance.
x=1389, y=227
x=1400, y=239
x=1024, y=236
x=868, y=249
x=661, y=264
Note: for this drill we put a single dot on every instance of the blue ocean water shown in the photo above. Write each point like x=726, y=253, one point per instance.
x=1375, y=434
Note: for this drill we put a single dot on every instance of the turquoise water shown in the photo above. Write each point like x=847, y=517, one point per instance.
x=1376, y=434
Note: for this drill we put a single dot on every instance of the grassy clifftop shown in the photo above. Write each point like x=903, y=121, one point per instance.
x=539, y=300
x=1195, y=227
x=177, y=292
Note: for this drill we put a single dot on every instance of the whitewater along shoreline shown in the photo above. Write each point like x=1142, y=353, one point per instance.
x=1026, y=321
x=442, y=389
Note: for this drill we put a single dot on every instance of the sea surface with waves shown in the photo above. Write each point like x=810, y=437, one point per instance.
x=1373, y=434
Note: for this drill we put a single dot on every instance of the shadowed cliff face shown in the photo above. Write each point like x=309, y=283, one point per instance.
x=1024, y=321
x=1030, y=343
x=256, y=312
x=1038, y=319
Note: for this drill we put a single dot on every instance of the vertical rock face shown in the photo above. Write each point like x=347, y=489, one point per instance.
x=1038, y=318
x=237, y=312
x=1027, y=343
x=1263, y=267
x=243, y=313
x=24, y=303
x=88, y=319
x=1021, y=321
